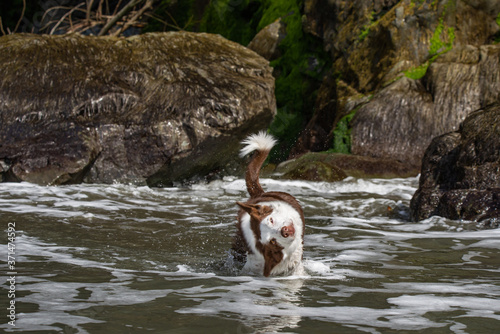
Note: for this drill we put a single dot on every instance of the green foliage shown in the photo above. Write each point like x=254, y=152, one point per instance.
x=497, y=35
x=342, y=134
x=235, y=20
x=172, y=15
x=283, y=125
x=298, y=71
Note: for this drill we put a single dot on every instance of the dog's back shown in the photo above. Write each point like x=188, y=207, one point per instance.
x=270, y=228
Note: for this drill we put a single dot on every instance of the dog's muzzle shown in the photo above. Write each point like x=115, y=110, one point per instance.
x=288, y=231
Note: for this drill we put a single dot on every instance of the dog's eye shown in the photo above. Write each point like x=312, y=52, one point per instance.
x=272, y=241
x=271, y=221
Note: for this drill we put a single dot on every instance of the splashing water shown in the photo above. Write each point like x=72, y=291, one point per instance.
x=119, y=258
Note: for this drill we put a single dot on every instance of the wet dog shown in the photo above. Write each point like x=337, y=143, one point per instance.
x=270, y=228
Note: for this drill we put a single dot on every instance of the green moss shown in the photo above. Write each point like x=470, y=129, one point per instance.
x=417, y=72
x=366, y=28
x=364, y=32
x=441, y=42
x=342, y=134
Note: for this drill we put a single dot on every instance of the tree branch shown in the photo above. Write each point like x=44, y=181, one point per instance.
x=22, y=15
x=118, y=16
x=139, y=13
x=1, y=26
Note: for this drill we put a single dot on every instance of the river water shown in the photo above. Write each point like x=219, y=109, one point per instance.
x=129, y=259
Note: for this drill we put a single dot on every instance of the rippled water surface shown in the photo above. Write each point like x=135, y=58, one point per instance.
x=127, y=259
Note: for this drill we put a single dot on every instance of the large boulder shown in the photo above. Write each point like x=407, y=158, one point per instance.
x=395, y=122
x=156, y=108
x=460, y=176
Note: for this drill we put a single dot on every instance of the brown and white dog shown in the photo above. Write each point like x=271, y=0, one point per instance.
x=270, y=228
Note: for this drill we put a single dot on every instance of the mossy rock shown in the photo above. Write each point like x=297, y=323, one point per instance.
x=315, y=171
x=342, y=165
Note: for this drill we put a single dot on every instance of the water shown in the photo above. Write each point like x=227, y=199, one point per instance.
x=128, y=259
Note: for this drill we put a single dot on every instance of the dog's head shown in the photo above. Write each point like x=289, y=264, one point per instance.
x=275, y=230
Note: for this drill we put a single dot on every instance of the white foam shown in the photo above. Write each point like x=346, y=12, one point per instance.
x=433, y=303
x=317, y=267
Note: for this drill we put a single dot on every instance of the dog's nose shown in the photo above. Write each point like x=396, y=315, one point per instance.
x=288, y=231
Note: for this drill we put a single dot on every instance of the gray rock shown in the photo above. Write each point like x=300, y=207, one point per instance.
x=266, y=42
x=393, y=124
x=156, y=108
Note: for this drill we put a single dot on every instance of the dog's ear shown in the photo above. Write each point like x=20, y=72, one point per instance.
x=256, y=211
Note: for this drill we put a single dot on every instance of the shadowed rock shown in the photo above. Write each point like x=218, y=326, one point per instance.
x=460, y=176
x=156, y=108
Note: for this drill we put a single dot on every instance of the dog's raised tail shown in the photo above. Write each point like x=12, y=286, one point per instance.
x=262, y=143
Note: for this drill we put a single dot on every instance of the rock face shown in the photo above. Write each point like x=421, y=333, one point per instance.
x=156, y=108
x=401, y=119
x=381, y=50
x=461, y=172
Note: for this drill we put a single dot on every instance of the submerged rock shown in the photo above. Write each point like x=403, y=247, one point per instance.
x=156, y=108
x=460, y=176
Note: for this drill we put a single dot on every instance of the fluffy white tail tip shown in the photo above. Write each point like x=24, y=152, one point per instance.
x=257, y=142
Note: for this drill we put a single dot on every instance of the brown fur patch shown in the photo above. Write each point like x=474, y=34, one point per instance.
x=272, y=256
x=257, y=213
